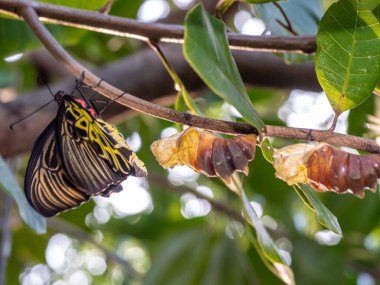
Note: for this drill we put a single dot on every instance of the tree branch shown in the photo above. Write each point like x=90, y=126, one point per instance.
x=143, y=106
x=112, y=92
x=96, y=21
x=322, y=136
x=154, y=85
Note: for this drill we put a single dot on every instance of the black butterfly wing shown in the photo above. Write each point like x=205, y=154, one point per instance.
x=47, y=185
x=135, y=165
x=82, y=162
x=108, y=144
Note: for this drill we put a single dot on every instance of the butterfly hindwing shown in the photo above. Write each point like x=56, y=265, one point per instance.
x=47, y=186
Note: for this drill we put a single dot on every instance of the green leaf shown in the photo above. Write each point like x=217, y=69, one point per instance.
x=325, y=217
x=180, y=104
x=267, y=245
x=179, y=86
x=370, y=4
x=206, y=49
x=267, y=150
x=348, y=54
x=9, y=184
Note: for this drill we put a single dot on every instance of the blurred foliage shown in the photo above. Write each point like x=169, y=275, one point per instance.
x=162, y=245
x=304, y=17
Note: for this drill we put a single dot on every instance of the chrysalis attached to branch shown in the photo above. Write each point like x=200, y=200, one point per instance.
x=326, y=168
x=206, y=153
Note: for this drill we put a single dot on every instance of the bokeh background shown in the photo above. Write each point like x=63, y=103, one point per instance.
x=161, y=230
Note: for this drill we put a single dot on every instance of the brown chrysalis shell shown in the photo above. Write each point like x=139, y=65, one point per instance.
x=326, y=168
x=206, y=153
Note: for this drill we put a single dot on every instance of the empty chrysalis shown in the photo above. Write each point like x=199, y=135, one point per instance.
x=206, y=153
x=326, y=168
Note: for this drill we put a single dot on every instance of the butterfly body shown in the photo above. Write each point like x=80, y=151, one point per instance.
x=77, y=156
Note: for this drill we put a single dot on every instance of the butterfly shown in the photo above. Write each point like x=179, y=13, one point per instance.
x=76, y=157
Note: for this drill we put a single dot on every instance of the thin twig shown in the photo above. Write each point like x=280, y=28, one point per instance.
x=288, y=26
x=71, y=230
x=6, y=241
x=335, y=120
x=322, y=136
x=179, y=86
x=96, y=21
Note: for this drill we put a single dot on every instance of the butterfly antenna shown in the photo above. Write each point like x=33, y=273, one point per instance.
x=111, y=101
x=41, y=81
x=31, y=114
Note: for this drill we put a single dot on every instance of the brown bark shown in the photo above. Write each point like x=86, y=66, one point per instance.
x=143, y=75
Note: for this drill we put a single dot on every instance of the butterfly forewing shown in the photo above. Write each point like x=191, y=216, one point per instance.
x=47, y=186
x=103, y=138
x=137, y=166
x=82, y=162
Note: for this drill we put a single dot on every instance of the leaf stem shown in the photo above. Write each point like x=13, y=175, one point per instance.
x=179, y=86
x=288, y=26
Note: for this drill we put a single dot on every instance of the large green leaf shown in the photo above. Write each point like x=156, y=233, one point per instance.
x=9, y=184
x=206, y=49
x=348, y=54
x=325, y=217
x=370, y=4
x=269, y=247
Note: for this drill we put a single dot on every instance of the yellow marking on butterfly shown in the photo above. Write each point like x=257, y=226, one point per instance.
x=95, y=133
